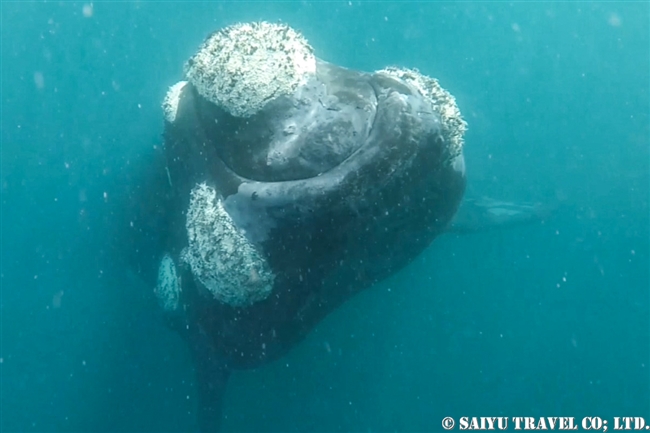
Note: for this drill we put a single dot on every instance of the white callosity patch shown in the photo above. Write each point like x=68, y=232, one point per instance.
x=168, y=288
x=244, y=66
x=170, y=103
x=220, y=256
x=453, y=125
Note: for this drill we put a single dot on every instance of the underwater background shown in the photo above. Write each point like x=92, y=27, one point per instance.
x=549, y=319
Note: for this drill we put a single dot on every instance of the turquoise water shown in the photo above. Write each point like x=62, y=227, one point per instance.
x=543, y=320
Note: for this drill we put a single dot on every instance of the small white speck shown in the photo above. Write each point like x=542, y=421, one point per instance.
x=87, y=10
x=614, y=20
x=39, y=80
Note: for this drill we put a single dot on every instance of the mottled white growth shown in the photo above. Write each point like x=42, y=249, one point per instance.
x=220, y=256
x=168, y=288
x=170, y=103
x=244, y=66
x=453, y=125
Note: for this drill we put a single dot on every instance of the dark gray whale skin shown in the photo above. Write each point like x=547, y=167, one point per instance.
x=339, y=186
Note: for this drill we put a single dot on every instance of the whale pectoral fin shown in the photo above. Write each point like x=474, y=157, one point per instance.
x=212, y=373
x=487, y=214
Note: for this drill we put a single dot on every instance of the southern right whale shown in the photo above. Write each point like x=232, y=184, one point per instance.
x=286, y=185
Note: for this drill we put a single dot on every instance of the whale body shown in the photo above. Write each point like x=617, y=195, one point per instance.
x=264, y=213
